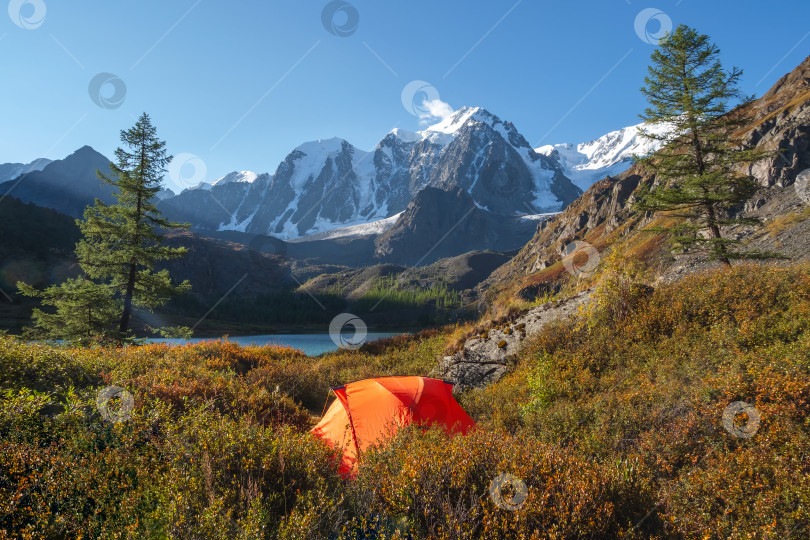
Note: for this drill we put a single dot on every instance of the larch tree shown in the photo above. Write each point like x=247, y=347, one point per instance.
x=81, y=312
x=122, y=242
x=120, y=246
x=701, y=168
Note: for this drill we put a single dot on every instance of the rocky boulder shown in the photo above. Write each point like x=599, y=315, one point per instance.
x=485, y=358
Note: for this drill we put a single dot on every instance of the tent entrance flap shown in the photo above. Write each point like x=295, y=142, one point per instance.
x=341, y=394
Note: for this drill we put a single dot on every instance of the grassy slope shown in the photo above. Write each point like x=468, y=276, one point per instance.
x=614, y=423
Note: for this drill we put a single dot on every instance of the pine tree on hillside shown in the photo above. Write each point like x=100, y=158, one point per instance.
x=120, y=246
x=700, y=170
x=122, y=242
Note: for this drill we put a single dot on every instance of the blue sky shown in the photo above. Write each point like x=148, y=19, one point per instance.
x=241, y=84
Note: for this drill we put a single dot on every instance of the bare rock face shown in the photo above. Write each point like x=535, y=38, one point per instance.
x=439, y=224
x=789, y=134
x=484, y=359
x=783, y=123
x=603, y=208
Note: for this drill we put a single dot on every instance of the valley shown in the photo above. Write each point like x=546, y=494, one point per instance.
x=446, y=332
x=466, y=189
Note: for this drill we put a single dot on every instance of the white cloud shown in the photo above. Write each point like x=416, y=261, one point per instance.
x=433, y=110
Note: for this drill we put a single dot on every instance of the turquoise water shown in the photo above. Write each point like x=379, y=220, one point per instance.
x=311, y=344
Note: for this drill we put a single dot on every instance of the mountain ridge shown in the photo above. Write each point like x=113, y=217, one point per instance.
x=67, y=185
x=609, y=155
x=471, y=149
x=329, y=183
x=505, y=176
x=12, y=171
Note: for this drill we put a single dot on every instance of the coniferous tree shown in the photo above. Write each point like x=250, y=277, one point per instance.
x=122, y=242
x=82, y=313
x=700, y=168
x=120, y=246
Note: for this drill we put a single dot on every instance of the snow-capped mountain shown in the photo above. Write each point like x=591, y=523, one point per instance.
x=329, y=183
x=609, y=155
x=241, y=176
x=495, y=164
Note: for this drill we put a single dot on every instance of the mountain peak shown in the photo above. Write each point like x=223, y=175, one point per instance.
x=608, y=155
x=86, y=156
x=443, y=132
x=329, y=146
x=11, y=171
x=406, y=136
x=455, y=121
x=85, y=151
x=67, y=185
x=247, y=177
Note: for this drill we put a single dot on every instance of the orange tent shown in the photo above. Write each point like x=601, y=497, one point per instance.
x=370, y=412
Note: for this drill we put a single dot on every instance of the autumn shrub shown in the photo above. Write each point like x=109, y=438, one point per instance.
x=267, y=381
x=75, y=474
x=40, y=367
x=651, y=388
x=217, y=444
x=230, y=479
x=621, y=286
x=443, y=488
x=616, y=421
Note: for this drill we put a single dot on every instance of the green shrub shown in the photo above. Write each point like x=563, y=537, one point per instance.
x=614, y=424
